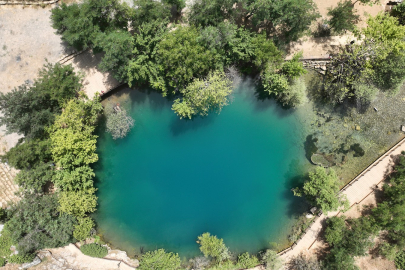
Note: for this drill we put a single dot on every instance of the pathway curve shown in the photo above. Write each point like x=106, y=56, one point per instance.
x=356, y=191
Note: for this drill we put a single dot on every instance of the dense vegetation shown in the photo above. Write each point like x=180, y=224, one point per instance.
x=94, y=250
x=55, y=179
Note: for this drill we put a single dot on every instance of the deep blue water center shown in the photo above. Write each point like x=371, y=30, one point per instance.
x=171, y=180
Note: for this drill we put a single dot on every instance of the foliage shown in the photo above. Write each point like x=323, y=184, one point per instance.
x=322, y=190
x=343, y=17
x=295, y=95
x=35, y=179
x=36, y=224
x=388, y=251
x=390, y=214
x=19, y=259
x=79, y=24
x=400, y=260
x=398, y=11
x=73, y=143
x=283, y=81
x=118, y=123
x=181, y=58
x=271, y=260
x=202, y=96
x=335, y=230
x=29, y=154
x=77, y=179
x=214, y=247
x=94, y=250
x=302, y=262
x=77, y=203
x=3, y=214
x=2, y=262
x=159, y=260
x=266, y=52
x=150, y=11
x=117, y=48
x=285, y=20
x=29, y=110
x=143, y=67
x=245, y=260
x=211, y=12
x=5, y=244
x=83, y=228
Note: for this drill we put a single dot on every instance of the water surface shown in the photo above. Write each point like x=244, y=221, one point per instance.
x=171, y=180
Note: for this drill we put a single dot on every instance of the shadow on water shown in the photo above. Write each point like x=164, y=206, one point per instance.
x=181, y=126
x=295, y=177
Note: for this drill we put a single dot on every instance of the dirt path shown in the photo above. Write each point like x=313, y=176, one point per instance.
x=357, y=192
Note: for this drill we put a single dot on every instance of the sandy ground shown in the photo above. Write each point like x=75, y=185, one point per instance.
x=323, y=46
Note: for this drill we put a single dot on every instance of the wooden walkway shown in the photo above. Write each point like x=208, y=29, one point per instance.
x=356, y=191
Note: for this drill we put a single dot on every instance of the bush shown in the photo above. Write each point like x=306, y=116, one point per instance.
x=400, y=260
x=271, y=260
x=21, y=258
x=388, y=251
x=246, y=261
x=160, y=260
x=2, y=262
x=94, y=250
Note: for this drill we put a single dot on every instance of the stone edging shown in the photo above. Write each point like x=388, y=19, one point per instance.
x=22, y=2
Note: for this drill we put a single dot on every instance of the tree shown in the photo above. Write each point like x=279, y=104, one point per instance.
x=302, y=262
x=211, y=12
x=118, y=123
x=181, y=58
x=271, y=260
x=343, y=17
x=143, y=67
x=29, y=154
x=150, y=11
x=335, y=230
x=213, y=247
x=79, y=24
x=29, y=110
x=245, y=260
x=398, y=11
x=322, y=190
x=203, y=96
x=73, y=142
x=117, y=48
x=159, y=260
x=285, y=20
x=76, y=179
x=78, y=203
x=35, y=179
x=83, y=228
x=36, y=224
x=265, y=52
x=282, y=80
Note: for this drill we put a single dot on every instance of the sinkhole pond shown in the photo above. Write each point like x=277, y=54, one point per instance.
x=229, y=174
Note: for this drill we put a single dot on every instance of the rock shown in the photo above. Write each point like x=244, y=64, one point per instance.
x=36, y=261
x=357, y=127
x=323, y=68
x=403, y=128
x=309, y=216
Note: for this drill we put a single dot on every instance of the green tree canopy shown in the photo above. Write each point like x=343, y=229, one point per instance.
x=398, y=11
x=343, y=17
x=79, y=24
x=29, y=110
x=203, y=96
x=322, y=190
x=36, y=223
x=159, y=260
x=213, y=247
x=181, y=58
x=35, y=179
x=150, y=11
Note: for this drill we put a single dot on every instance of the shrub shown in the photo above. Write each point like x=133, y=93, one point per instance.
x=400, y=260
x=2, y=262
x=271, y=260
x=246, y=261
x=94, y=250
x=21, y=258
x=160, y=260
x=388, y=251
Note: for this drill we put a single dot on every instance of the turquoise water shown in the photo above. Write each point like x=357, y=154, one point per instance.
x=171, y=180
